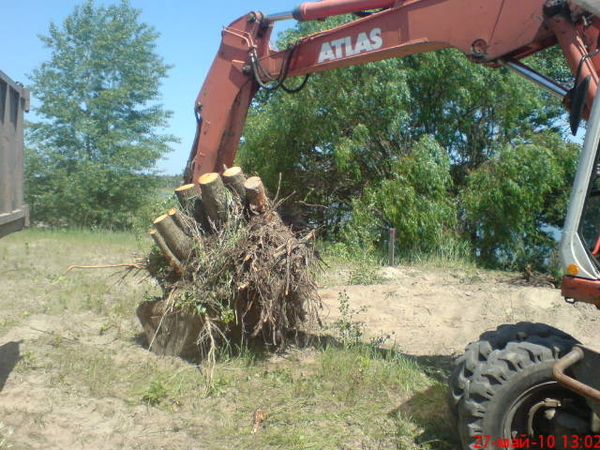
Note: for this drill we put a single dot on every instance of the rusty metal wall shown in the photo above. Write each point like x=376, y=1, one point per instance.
x=14, y=100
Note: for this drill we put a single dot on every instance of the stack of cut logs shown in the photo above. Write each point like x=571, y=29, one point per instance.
x=206, y=202
x=182, y=235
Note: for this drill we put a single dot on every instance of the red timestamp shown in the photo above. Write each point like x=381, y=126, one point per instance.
x=542, y=441
x=581, y=441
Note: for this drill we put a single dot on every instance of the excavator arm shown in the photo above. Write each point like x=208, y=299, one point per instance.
x=491, y=32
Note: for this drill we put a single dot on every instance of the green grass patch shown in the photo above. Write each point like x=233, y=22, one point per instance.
x=329, y=397
x=33, y=264
x=358, y=397
x=348, y=265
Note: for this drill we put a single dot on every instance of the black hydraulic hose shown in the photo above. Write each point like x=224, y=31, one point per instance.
x=280, y=80
x=362, y=14
x=297, y=89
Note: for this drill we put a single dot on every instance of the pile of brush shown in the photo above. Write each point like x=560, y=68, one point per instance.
x=229, y=269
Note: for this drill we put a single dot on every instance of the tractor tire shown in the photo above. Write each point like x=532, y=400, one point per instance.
x=477, y=352
x=510, y=393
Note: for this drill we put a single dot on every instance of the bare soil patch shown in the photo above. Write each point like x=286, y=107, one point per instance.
x=439, y=311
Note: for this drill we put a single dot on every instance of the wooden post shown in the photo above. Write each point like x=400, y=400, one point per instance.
x=177, y=241
x=234, y=179
x=256, y=195
x=166, y=251
x=214, y=197
x=392, y=247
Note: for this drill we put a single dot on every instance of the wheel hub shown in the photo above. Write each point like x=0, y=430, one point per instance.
x=546, y=409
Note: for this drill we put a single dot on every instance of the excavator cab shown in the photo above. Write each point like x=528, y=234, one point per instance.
x=580, y=244
x=531, y=385
x=590, y=219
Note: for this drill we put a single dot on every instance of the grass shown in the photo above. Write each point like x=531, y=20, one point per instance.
x=33, y=265
x=334, y=395
x=5, y=434
x=350, y=266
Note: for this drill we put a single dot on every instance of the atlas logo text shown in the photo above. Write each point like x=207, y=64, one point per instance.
x=340, y=48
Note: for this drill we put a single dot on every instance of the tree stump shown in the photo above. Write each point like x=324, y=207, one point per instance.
x=174, y=237
x=166, y=251
x=238, y=273
x=214, y=198
x=256, y=195
x=187, y=195
x=234, y=179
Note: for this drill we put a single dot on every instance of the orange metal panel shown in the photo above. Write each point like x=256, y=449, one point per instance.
x=581, y=290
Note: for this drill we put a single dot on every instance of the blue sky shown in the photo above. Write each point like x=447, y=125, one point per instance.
x=190, y=35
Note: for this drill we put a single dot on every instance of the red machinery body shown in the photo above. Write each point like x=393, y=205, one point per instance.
x=487, y=31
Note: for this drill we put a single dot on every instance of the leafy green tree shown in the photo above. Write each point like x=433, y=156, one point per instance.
x=92, y=154
x=414, y=200
x=517, y=199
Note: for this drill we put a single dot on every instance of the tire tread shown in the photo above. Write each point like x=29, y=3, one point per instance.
x=504, y=365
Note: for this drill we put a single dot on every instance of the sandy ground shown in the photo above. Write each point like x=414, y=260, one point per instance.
x=424, y=312
x=439, y=313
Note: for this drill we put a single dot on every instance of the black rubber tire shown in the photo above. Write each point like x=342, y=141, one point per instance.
x=478, y=352
x=503, y=380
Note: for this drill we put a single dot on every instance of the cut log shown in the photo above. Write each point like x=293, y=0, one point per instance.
x=182, y=222
x=187, y=195
x=256, y=195
x=214, y=197
x=201, y=217
x=166, y=251
x=234, y=179
x=177, y=241
x=190, y=198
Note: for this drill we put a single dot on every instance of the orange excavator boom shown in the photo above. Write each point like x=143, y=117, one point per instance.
x=491, y=32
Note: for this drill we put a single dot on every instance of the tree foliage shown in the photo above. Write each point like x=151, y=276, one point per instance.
x=413, y=199
x=93, y=151
x=517, y=199
x=366, y=142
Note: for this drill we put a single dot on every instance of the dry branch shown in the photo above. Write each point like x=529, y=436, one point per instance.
x=105, y=266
